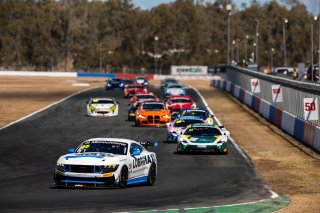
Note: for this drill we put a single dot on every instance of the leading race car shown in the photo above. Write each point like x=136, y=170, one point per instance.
x=152, y=114
x=203, y=138
x=114, y=83
x=104, y=162
x=198, y=112
x=177, y=126
x=102, y=107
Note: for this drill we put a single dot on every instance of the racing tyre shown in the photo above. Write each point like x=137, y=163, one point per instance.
x=123, y=179
x=136, y=123
x=152, y=175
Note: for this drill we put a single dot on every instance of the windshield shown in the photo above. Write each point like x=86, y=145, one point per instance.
x=181, y=100
x=113, y=147
x=128, y=81
x=96, y=101
x=194, y=113
x=202, y=131
x=135, y=87
x=175, y=86
x=145, y=96
x=117, y=81
x=186, y=122
x=153, y=106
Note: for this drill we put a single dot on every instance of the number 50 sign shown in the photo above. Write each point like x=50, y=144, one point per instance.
x=311, y=109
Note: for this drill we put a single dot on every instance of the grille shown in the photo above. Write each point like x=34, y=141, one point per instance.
x=82, y=169
x=150, y=119
x=157, y=119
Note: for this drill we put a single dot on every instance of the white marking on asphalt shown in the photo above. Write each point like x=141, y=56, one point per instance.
x=240, y=151
x=44, y=108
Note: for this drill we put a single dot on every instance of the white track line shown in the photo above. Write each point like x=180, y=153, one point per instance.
x=44, y=108
x=240, y=151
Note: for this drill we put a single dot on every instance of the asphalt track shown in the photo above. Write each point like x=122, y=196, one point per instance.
x=29, y=151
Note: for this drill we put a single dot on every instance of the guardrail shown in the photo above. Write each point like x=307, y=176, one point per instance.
x=282, y=102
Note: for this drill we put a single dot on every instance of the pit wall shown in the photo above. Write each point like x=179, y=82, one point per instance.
x=303, y=131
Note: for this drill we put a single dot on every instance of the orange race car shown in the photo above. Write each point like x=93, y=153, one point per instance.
x=152, y=114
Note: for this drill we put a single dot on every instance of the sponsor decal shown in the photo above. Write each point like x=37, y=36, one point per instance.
x=141, y=161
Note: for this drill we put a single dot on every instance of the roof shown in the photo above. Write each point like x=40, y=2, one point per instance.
x=103, y=98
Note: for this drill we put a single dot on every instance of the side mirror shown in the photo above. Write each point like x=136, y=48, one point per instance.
x=71, y=150
x=136, y=153
x=168, y=124
x=227, y=133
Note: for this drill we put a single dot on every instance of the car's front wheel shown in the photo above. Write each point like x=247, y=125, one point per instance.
x=123, y=178
x=152, y=175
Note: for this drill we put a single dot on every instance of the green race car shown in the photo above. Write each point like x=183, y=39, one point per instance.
x=203, y=138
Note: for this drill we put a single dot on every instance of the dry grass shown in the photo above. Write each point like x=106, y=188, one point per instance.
x=22, y=95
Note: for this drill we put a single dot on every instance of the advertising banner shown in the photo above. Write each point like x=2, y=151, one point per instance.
x=311, y=109
x=189, y=70
x=277, y=95
x=255, y=85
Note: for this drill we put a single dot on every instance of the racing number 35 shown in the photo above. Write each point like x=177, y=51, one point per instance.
x=310, y=106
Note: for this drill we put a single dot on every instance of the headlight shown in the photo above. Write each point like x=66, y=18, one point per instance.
x=121, y=85
x=60, y=167
x=166, y=116
x=92, y=107
x=109, y=168
x=113, y=108
x=141, y=116
x=109, y=85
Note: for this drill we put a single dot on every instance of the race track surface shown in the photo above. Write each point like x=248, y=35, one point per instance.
x=30, y=149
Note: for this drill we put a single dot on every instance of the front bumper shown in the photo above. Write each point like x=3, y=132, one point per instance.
x=82, y=180
x=192, y=147
x=104, y=113
x=156, y=121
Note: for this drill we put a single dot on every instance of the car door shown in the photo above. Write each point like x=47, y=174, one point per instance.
x=138, y=163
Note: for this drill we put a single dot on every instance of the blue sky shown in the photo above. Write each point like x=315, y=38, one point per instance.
x=312, y=5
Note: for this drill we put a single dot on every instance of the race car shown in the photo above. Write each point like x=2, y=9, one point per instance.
x=102, y=107
x=176, y=103
x=128, y=81
x=147, y=96
x=132, y=89
x=114, y=83
x=133, y=108
x=166, y=81
x=203, y=138
x=105, y=162
x=175, y=127
x=143, y=81
x=174, y=89
x=197, y=112
x=152, y=114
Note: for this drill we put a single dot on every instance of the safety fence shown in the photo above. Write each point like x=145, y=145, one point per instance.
x=304, y=131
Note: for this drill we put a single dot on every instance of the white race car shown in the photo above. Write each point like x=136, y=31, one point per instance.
x=105, y=162
x=102, y=107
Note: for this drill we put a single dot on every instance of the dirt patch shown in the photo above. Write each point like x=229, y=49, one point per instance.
x=20, y=96
x=284, y=167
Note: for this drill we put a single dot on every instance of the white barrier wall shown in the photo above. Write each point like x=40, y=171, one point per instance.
x=187, y=77
x=46, y=74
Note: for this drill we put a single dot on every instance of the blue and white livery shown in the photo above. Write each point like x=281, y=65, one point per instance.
x=104, y=162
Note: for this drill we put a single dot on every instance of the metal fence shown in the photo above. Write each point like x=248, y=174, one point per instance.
x=293, y=92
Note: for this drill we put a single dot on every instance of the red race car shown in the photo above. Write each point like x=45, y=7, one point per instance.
x=146, y=96
x=132, y=89
x=176, y=103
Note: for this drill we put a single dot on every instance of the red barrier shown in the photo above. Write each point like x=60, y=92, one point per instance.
x=308, y=133
x=122, y=75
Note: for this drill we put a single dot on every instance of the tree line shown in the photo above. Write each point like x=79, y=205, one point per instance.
x=111, y=35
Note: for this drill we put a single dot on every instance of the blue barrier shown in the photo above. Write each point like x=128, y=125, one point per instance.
x=99, y=75
x=298, y=129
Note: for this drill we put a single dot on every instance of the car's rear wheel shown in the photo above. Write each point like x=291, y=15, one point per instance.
x=123, y=178
x=152, y=175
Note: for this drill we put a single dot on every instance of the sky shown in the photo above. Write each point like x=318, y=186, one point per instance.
x=312, y=5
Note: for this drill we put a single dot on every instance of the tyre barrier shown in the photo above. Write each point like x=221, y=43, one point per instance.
x=305, y=132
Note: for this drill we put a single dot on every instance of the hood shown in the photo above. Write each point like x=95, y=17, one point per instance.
x=90, y=158
x=102, y=106
x=203, y=139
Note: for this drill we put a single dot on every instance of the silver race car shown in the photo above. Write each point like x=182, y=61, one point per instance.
x=102, y=107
